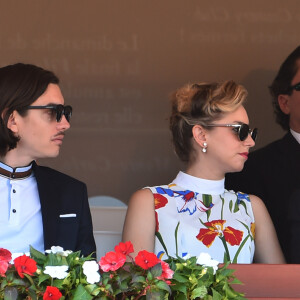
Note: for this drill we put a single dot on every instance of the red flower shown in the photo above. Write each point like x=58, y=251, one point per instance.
x=112, y=261
x=167, y=273
x=24, y=264
x=146, y=259
x=5, y=258
x=189, y=196
x=124, y=248
x=52, y=293
x=233, y=236
x=214, y=229
x=156, y=222
x=159, y=201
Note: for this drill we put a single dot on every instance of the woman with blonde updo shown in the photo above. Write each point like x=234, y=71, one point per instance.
x=194, y=213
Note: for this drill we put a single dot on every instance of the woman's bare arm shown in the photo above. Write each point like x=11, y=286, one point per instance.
x=267, y=248
x=139, y=226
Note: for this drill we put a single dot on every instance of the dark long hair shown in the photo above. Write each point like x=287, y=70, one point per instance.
x=20, y=85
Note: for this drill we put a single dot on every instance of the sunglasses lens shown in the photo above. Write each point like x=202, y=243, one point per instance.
x=68, y=112
x=254, y=134
x=59, y=112
x=243, y=132
x=297, y=87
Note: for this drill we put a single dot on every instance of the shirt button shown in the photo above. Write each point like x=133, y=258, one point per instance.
x=14, y=191
x=14, y=211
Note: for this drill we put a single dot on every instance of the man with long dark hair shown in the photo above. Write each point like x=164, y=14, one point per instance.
x=40, y=207
x=273, y=172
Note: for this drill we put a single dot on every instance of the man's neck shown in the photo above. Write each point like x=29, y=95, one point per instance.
x=15, y=160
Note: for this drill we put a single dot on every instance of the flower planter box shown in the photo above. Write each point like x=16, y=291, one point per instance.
x=264, y=281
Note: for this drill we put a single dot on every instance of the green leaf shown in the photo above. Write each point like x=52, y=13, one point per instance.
x=179, y=278
x=163, y=286
x=150, y=295
x=38, y=256
x=156, y=270
x=180, y=287
x=199, y=292
x=138, y=278
x=81, y=293
x=216, y=295
x=10, y=293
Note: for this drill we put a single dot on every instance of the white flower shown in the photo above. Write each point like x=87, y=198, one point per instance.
x=58, y=250
x=90, y=270
x=205, y=260
x=59, y=272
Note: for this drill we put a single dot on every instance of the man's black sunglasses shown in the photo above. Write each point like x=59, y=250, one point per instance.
x=58, y=110
x=242, y=130
x=295, y=87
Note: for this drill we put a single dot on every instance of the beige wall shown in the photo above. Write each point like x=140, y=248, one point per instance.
x=119, y=60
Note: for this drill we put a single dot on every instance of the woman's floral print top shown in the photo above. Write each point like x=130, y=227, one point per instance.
x=194, y=215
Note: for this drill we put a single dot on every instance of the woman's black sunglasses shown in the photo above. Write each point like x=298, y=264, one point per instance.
x=242, y=130
x=58, y=110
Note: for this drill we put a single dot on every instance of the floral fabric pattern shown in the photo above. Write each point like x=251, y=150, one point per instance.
x=188, y=222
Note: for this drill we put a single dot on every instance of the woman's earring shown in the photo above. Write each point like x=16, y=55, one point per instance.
x=204, y=147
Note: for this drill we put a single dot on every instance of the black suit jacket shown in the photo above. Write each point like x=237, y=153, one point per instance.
x=273, y=174
x=60, y=195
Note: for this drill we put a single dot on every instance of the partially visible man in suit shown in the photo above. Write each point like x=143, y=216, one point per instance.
x=39, y=206
x=273, y=172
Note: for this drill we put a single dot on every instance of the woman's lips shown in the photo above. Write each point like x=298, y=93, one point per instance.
x=244, y=154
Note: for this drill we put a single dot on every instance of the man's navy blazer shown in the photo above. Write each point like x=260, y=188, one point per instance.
x=61, y=195
x=273, y=174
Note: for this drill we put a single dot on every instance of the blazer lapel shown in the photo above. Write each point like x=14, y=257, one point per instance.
x=47, y=189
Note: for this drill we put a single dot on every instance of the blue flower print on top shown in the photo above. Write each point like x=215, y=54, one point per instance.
x=190, y=204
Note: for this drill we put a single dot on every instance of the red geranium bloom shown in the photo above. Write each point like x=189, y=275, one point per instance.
x=159, y=201
x=124, y=248
x=52, y=293
x=214, y=229
x=167, y=273
x=112, y=261
x=25, y=264
x=5, y=258
x=146, y=259
x=5, y=255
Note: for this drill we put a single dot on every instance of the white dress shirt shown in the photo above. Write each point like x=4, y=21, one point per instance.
x=296, y=135
x=21, y=222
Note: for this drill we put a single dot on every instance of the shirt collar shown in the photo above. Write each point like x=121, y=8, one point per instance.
x=296, y=135
x=15, y=173
x=200, y=185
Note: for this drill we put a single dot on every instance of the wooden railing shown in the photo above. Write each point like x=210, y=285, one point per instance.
x=262, y=281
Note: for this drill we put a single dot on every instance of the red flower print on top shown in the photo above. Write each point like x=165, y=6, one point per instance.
x=112, y=261
x=190, y=195
x=52, y=293
x=159, y=201
x=124, y=248
x=216, y=228
x=5, y=258
x=146, y=259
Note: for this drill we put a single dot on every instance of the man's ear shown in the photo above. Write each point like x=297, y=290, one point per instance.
x=12, y=123
x=283, y=101
x=199, y=135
